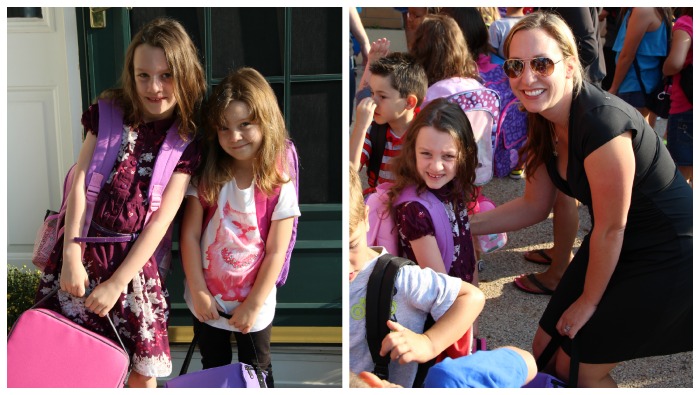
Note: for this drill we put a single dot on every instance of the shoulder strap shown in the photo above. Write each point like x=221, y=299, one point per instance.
x=168, y=157
x=377, y=136
x=109, y=137
x=380, y=289
x=443, y=229
x=548, y=352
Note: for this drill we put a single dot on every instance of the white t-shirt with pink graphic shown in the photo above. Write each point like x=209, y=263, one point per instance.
x=233, y=250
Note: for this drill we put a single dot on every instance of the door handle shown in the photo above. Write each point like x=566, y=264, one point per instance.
x=98, y=17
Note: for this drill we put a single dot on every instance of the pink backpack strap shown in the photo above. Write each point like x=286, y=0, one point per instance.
x=265, y=207
x=441, y=224
x=109, y=138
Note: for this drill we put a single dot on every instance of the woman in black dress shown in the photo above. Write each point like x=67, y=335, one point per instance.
x=628, y=291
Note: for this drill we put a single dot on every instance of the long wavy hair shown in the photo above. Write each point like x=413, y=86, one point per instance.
x=449, y=118
x=441, y=49
x=270, y=166
x=190, y=86
x=539, y=147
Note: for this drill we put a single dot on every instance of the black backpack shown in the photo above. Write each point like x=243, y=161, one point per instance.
x=380, y=290
x=377, y=136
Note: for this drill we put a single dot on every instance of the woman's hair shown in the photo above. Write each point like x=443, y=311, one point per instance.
x=475, y=31
x=189, y=83
x=441, y=49
x=539, y=146
x=449, y=118
x=269, y=165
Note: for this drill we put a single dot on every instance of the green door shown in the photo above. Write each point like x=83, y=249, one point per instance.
x=299, y=51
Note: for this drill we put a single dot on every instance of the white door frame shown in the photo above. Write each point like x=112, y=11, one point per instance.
x=44, y=106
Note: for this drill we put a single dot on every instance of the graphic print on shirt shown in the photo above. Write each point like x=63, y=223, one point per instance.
x=233, y=258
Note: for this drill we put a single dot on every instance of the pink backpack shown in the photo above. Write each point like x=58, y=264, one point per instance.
x=109, y=138
x=482, y=108
x=264, y=207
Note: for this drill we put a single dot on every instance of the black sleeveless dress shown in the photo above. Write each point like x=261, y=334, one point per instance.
x=647, y=308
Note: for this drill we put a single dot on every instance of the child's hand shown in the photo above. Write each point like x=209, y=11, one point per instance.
x=204, y=306
x=406, y=346
x=74, y=279
x=378, y=49
x=244, y=316
x=103, y=297
x=375, y=382
x=365, y=113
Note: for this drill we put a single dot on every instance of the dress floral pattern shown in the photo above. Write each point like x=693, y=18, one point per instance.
x=413, y=222
x=141, y=312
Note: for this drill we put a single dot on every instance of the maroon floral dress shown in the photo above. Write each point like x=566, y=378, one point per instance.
x=141, y=312
x=413, y=222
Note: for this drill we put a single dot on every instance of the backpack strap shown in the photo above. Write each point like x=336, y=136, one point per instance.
x=109, y=138
x=380, y=290
x=377, y=137
x=168, y=157
x=548, y=353
x=438, y=214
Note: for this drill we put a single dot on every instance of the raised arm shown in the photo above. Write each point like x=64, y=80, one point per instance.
x=407, y=346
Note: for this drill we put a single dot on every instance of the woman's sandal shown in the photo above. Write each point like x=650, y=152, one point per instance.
x=542, y=290
x=545, y=258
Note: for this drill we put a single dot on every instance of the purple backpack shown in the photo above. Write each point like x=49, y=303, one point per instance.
x=382, y=228
x=264, y=207
x=109, y=139
x=511, y=126
x=482, y=107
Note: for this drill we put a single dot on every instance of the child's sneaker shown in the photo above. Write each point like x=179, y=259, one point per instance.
x=517, y=174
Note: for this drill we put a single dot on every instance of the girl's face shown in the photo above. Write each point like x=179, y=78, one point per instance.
x=436, y=156
x=540, y=93
x=240, y=138
x=154, y=83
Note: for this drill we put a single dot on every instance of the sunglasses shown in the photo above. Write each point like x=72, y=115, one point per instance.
x=541, y=66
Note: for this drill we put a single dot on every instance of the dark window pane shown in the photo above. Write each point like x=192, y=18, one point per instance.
x=252, y=37
x=316, y=111
x=316, y=40
x=192, y=19
x=24, y=12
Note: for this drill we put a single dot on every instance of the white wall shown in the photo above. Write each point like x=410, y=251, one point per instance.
x=43, y=121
